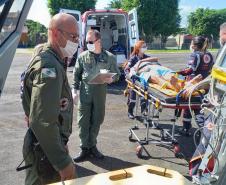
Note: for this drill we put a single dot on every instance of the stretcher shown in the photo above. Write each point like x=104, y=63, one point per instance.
x=140, y=175
x=157, y=99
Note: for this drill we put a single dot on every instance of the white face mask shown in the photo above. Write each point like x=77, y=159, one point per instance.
x=142, y=50
x=70, y=49
x=91, y=47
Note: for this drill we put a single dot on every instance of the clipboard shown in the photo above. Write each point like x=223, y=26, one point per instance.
x=99, y=78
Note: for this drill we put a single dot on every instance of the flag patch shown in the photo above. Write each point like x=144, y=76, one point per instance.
x=48, y=73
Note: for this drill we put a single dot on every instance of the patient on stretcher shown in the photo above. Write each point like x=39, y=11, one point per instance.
x=153, y=72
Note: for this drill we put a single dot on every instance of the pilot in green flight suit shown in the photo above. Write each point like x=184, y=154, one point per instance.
x=48, y=105
x=91, y=108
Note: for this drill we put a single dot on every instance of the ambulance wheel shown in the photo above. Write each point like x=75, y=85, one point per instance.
x=139, y=151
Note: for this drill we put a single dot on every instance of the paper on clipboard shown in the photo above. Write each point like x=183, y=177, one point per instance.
x=100, y=78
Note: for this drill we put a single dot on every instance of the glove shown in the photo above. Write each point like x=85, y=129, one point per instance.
x=131, y=73
x=75, y=95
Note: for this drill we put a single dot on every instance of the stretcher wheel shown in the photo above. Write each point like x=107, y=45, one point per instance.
x=130, y=136
x=177, y=152
x=179, y=155
x=139, y=151
x=162, y=135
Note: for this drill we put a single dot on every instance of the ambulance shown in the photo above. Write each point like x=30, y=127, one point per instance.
x=118, y=29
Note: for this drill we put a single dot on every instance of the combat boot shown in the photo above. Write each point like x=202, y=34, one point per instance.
x=83, y=154
x=96, y=153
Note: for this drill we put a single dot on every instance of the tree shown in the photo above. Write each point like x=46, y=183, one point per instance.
x=55, y=5
x=115, y=4
x=206, y=22
x=156, y=17
x=35, y=32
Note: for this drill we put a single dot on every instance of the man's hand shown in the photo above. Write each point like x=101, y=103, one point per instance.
x=75, y=96
x=108, y=80
x=68, y=172
x=26, y=118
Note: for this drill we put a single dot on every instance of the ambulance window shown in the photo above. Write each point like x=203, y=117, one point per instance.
x=75, y=15
x=131, y=17
x=9, y=15
x=133, y=31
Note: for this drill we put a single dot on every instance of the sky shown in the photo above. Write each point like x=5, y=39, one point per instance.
x=39, y=10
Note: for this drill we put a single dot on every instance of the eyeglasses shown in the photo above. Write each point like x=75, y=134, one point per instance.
x=91, y=42
x=74, y=37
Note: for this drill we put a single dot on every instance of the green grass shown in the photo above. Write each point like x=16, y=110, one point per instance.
x=24, y=50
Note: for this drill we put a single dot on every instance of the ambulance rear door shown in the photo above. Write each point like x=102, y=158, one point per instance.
x=133, y=27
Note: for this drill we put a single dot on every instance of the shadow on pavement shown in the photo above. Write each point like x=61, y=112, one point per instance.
x=83, y=172
x=112, y=163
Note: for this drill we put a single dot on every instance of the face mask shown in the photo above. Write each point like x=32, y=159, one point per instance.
x=70, y=49
x=142, y=50
x=91, y=47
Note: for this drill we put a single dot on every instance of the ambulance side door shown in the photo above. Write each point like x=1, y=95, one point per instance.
x=13, y=14
x=133, y=27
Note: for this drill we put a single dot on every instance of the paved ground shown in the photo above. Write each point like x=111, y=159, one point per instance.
x=113, y=137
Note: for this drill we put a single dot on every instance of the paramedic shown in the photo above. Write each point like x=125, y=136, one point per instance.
x=200, y=62
x=137, y=55
x=48, y=105
x=92, y=97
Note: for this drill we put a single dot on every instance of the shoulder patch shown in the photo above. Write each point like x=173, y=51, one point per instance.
x=206, y=58
x=48, y=73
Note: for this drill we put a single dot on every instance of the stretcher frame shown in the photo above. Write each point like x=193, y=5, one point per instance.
x=155, y=104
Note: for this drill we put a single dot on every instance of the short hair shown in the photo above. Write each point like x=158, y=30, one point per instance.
x=96, y=33
x=223, y=26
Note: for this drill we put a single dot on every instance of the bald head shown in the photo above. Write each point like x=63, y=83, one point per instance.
x=62, y=27
x=62, y=20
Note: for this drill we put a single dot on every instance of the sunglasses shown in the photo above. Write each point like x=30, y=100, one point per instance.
x=91, y=42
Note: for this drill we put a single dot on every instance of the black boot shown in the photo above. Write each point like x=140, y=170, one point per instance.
x=83, y=154
x=97, y=154
x=130, y=111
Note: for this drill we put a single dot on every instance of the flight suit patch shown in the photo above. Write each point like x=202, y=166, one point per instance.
x=48, y=73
